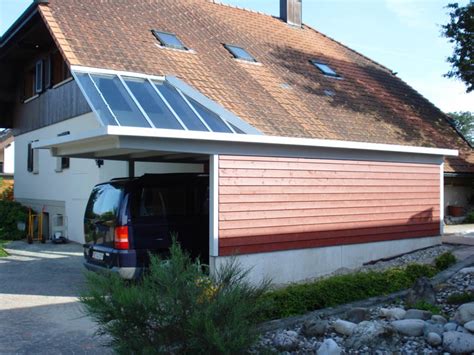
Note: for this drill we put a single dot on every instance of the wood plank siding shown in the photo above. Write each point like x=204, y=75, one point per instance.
x=52, y=106
x=268, y=204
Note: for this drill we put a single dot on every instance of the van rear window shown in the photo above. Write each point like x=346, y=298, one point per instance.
x=104, y=202
x=154, y=201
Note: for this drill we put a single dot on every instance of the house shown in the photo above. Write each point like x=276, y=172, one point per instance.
x=7, y=153
x=318, y=157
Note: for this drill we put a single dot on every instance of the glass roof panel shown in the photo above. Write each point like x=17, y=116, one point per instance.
x=213, y=121
x=95, y=99
x=239, y=53
x=168, y=39
x=152, y=104
x=182, y=109
x=120, y=102
x=138, y=100
x=324, y=68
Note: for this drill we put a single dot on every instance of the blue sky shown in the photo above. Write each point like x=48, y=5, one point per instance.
x=403, y=35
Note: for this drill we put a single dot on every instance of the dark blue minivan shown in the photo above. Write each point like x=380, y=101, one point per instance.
x=127, y=219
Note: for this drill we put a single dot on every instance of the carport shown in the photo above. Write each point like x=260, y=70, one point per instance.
x=289, y=208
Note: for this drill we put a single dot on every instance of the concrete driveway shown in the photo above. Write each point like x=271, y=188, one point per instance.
x=39, y=308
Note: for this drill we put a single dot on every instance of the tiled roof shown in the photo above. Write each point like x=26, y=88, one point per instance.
x=283, y=94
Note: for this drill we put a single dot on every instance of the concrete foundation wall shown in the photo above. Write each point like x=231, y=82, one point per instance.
x=284, y=267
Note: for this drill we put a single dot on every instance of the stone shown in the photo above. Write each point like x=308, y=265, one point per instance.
x=372, y=334
x=469, y=326
x=329, y=347
x=465, y=313
x=392, y=313
x=314, y=328
x=432, y=327
x=357, y=315
x=467, y=270
x=434, y=339
x=450, y=327
x=410, y=327
x=458, y=343
x=344, y=327
x=422, y=290
x=286, y=340
x=417, y=314
x=438, y=319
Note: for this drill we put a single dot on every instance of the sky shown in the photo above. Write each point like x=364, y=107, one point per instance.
x=403, y=35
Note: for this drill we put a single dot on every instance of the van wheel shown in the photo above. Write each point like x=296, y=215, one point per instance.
x=30, y=240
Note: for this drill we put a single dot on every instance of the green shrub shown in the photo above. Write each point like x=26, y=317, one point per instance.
x=425, y=306
x=460, y=298
x=444, y=261
x=176, y=308
x=11, y=213
x=469, y=217
x=3, y=252
x=301, y=298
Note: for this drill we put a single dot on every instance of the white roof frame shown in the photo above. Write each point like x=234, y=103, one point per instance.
x=129, y=143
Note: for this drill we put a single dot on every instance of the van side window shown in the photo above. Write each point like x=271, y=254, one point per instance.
x=160, y=202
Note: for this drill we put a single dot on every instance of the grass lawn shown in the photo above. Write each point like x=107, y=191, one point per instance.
x=2, y=251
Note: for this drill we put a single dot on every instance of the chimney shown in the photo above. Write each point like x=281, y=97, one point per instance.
x=291, y=12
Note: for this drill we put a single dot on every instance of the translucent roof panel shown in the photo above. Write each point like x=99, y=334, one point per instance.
x=95, y=99
x=137, y=100
x=117, y=98
x=182, y=109
x=156, y=109
x=212, y=120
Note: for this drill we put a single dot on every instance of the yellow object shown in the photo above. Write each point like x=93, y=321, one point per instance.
x=32, y=219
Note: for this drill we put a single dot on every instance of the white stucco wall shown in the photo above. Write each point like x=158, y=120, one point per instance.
x=9, y=159
x=67, y=192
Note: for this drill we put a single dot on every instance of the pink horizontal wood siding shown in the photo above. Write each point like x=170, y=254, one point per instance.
x=269, y=204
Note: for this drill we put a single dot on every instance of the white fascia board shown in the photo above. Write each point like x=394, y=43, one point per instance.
x=274, y=140
x=90, y=70
x=229, y=138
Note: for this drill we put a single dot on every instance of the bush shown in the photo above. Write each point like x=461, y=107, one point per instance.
x=470, y=217
x=444, y=261
x=11, y=213
x=301, y=298
x=460, y=298
x=176, y=308
x=425, y=306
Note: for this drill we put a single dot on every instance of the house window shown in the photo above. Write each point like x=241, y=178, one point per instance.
x=62, y=163
x=325, y=69
x=239, y=53
x=59, y=68
x=32, y=159
x=169, y=40
x=39, y=76
x=29, y=84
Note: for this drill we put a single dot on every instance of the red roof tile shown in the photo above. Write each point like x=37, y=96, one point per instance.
x=283, y=94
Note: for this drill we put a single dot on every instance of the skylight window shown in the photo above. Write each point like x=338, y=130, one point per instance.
x=169, y=40
x=239, y=53
x=324, y=68
x=125, y=99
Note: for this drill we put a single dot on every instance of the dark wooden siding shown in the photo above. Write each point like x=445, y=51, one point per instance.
x=52, y=106
x=268, y=204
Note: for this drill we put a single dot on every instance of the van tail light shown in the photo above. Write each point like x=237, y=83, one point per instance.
x=121, y=238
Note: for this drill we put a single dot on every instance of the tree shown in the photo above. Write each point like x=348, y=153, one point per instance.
x=460, y=31
x=464, y=123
